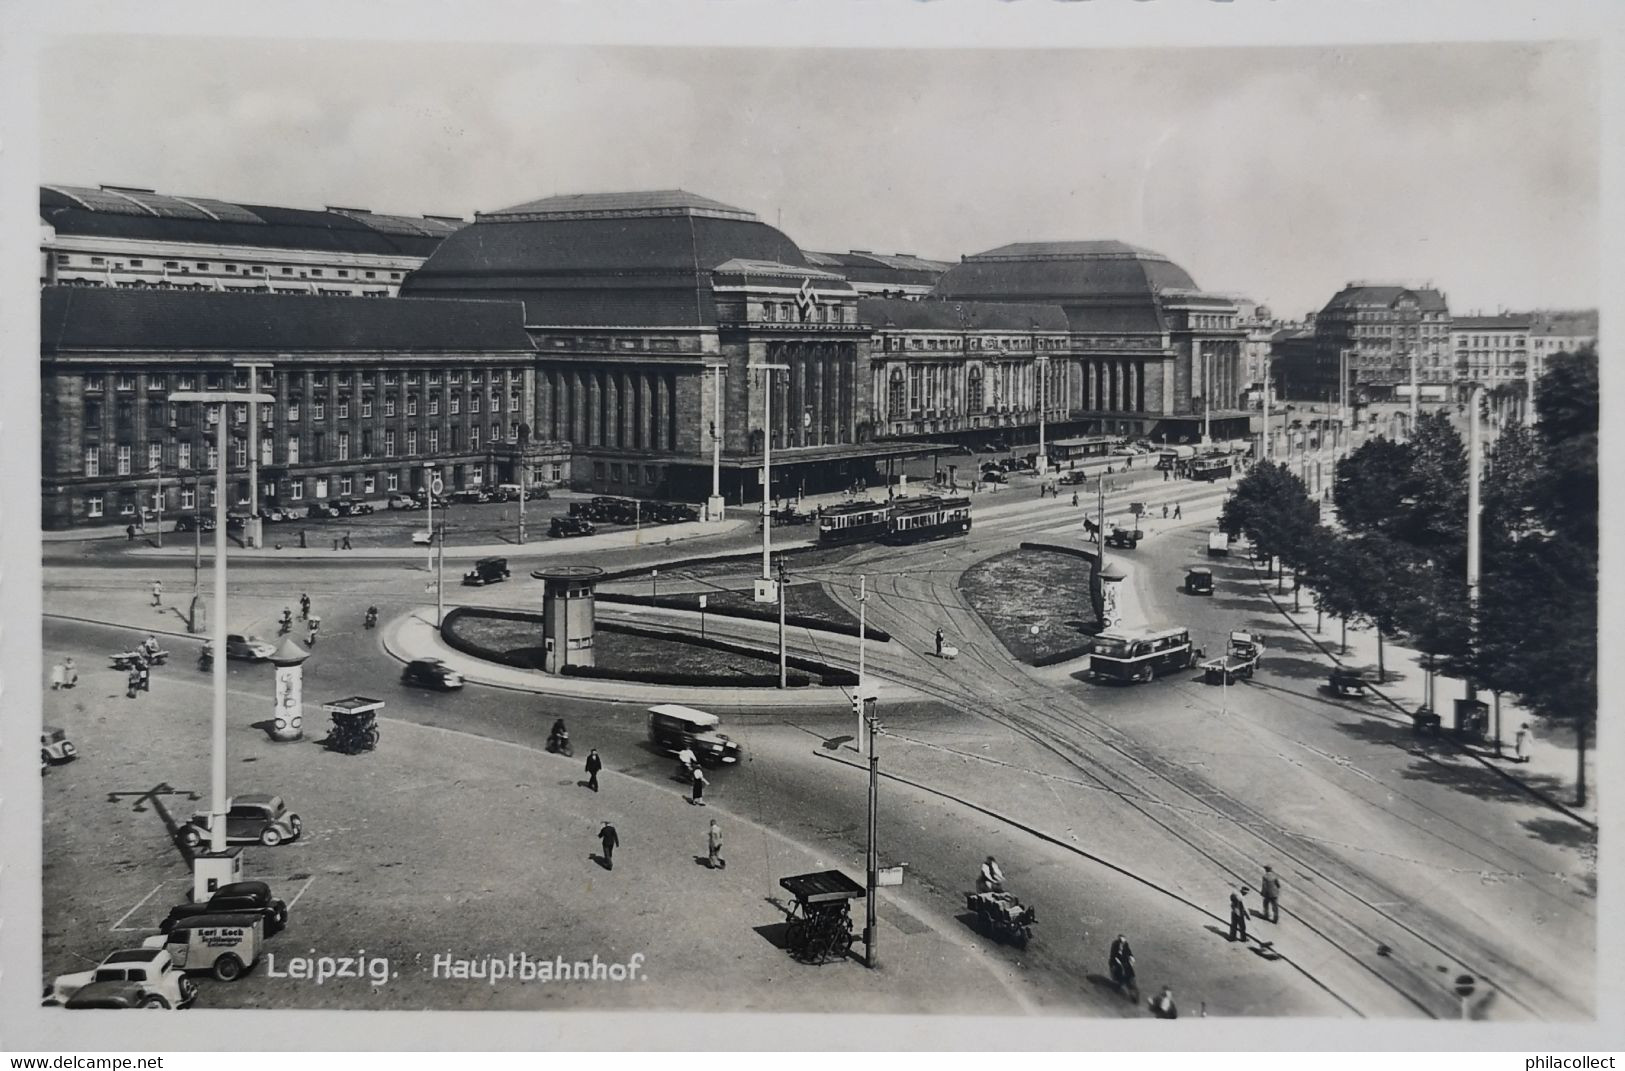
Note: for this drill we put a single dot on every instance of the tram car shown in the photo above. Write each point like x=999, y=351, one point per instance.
x=915, y=520
x=852, y=522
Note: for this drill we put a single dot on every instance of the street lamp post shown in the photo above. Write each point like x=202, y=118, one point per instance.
x=252, y=526
x=1474, y=474
x=764, y=586
x=1041, y=360
x=217, y=802
x=1207, y=394
x=429, y=493
x=871, y=955
x=714, y=507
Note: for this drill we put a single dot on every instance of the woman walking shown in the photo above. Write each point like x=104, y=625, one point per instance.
x=698, y=799
x=713, y=847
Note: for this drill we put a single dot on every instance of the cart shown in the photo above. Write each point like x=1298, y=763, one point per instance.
x=820, y=919
x=1425, y=721
x=355, y=724
x=1238, y=661
x=1001, y=916
x=1345, y=683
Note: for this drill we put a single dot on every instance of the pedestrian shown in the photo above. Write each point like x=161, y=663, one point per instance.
x=940, y=639
x=304, y=605
x=698, y=799
x=1166, y=476
x=59, y=677
x=610, y=840
x=133, y=684
x=1270, y=889
x=1074, y=499
x=310, y=635
x=347, y=541
x=157, y=592
x=1120, y=961
x=1520, y=743
x=594, y=764
x=70, y=676
x=1162, y=1005
x=1178, y=513
x=144, y=677
x=1165, y=511
x=302, y=543
x=713, y=847
x=1238, y=915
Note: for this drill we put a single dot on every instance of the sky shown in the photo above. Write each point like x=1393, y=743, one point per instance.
x=1279, y=174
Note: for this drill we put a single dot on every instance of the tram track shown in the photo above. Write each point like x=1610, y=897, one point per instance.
x=1350, y=913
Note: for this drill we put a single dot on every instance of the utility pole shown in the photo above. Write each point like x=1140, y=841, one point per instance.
x=863, y=598
x=440, y=572
x=714, y=508
x=1264, y=454
x=764, y=590
x=430, y=479
x=524, y=476
x=871, y=955
x=1207, y=395
x=783, y=675
x=1474, y=474
x=1416, y=392
x=1041, y=360
x=159, y=499
x=252, y=526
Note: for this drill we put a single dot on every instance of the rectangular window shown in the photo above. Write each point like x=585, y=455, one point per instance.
x=392, y=481
x=188, y=498
x=389, y=406
x=366, y=405
x=456, y=438
x=123, y=461
x=296, y=489
x=346, y=485
x=239, y=453
x=94, y=383
x=411, y=440
x=155, y=456
x=239, y=414
x=649, y=475
x=473, y=436
x=318, y=446
x=202, y=265
x=183, y=455
x=293, y=449
x=124, y=381
x=369, y=484
x=434, y=405
x=344, y=446
x=389, y=442
x=513, y=403
x=344, y=408
x=93, y=461
x=496, y=401
x=412, y=405
x=155, y=384
x=318, y=410
x=456, y=404
x=434, y=440
x=287, y=271
x=473, y=403
x=513, y=431
x=496, y=432
x=293, y=411
x=366, y=442
x=93, y=506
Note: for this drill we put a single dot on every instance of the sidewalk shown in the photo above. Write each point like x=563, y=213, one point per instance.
x=580, y=546
x=1550, y=772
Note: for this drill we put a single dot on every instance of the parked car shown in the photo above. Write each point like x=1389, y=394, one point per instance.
x=536, y=492
x=236, y=521
x=431, y=673
x=55, y=747
x=275, y=514
x=564, y=527
x=255, y=818
x=321, y=510
x=471, y=496
x=352, y=507
x=487, y=571
x=223, y=945
x=193, y=522
x=404, y=502
x=993, y=476
x=237, y=898
x=129, y=978
x=1076, y=476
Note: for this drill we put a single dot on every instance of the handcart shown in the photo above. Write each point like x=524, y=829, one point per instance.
x=821, y=918
x=355, y=724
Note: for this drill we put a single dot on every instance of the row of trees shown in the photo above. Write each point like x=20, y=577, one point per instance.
x=1399, y=562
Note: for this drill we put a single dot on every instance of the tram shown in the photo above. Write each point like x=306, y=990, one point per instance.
x=852, y=522
x=1211, y=468
x=915, y=520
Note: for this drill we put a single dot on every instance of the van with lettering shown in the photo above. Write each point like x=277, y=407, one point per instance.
x=222, y=945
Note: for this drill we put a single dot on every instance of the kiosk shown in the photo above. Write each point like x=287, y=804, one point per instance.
x=567, y=615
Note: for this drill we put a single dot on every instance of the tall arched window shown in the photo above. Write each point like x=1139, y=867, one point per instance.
x=896, y=395
x=973, y=390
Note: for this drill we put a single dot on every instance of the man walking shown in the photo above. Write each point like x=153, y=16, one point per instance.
x=594, y=764
x=939, y=643
x=134, y=683
x=304, y=604
x=713, y=847
x=698, y=799
x=1270, y=889
x=1238, y=915
x=157, y=592
x=610, y=840
x=1177, y=513
x=347, y=541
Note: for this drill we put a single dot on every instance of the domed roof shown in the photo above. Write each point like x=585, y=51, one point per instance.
x=632, y=259
x=1065, y=272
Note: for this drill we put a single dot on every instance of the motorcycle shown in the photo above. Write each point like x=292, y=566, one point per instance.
x=559, y=744
x=372, y=617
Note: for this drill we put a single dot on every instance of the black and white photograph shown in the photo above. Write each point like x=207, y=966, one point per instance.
x=1062, y=533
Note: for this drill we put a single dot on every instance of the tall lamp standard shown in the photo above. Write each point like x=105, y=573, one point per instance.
x=214, y=867
x=1041, y=360
x=766, y=589
x=714, y=507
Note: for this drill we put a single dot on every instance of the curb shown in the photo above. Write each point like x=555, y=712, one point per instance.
x=1457, y=747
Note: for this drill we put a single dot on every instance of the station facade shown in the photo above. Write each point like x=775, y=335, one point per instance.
x=608, y=342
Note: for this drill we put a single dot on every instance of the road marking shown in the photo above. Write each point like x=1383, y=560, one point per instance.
x=301, y=891
x=119, y=927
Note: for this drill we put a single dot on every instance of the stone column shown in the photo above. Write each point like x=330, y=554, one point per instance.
x=798, y=395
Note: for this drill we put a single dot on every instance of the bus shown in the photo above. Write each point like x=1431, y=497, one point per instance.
x=1140, y=654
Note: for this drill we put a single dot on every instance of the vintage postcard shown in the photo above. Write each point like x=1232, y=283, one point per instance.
x=902, y=526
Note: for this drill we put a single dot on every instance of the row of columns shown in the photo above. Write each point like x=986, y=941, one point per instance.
x=820, y=381
x=1113, y=385
x=627, y=408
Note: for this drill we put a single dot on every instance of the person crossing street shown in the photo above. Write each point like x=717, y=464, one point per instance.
x=698, y=799
x=1270, y=889
x=594, y=764
x=1238, y=915
x=610, y=840
x=713, y=847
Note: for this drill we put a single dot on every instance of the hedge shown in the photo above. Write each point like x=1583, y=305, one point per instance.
x=748, y=613
x=687, y=563
x=1055, y=658
x=478, y=650
x=655, y=676
x=828, y=673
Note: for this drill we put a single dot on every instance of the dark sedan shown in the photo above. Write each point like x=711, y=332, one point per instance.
x=431, y=673
x=237, y=898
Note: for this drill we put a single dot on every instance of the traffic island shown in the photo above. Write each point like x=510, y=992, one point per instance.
x=1036, y=601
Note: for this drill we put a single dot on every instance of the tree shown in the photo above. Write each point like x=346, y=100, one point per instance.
x=1271, y=507
x=1363, y=579
x=1431, y=498
x=1363, y=487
